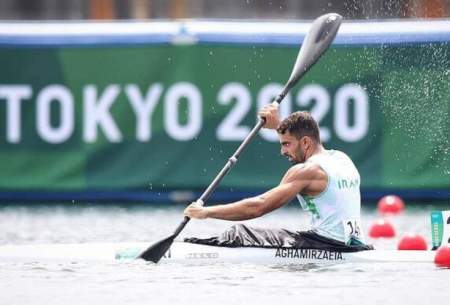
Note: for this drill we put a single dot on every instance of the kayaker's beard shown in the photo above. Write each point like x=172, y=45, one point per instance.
x=299, y=157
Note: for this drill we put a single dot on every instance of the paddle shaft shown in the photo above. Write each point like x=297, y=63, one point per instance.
x=231, y=161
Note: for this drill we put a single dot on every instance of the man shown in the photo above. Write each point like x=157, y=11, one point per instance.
x=326, y=182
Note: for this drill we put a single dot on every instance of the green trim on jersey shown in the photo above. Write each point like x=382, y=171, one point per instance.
x=311, y=206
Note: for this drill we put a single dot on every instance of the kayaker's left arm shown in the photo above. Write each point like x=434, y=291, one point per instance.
x=294, y=181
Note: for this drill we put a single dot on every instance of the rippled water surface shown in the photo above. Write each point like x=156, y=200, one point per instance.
x=109, y=283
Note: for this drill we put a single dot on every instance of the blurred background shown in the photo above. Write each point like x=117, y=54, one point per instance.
x=148, y=102
x=232, y=9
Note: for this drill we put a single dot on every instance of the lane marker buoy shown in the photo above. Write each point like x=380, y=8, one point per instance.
x=412, y=241
x=442, y=257
x=390, y=204
x=381, y=228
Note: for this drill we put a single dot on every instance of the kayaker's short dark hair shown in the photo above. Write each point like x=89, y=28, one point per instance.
x=300, y=124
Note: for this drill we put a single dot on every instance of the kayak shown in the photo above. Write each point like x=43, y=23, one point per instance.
x=182, y=252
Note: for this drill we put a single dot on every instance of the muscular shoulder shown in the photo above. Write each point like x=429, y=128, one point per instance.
x=305, y=171
x=310, y=178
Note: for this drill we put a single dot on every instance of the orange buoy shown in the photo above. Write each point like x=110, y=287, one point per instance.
x=390, y=204
x=442, y=257
x=412, y=241
x=381, y=228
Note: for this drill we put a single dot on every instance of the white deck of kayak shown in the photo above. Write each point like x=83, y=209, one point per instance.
x=181, y=252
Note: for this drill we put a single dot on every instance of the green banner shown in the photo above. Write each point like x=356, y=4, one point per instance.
x=168, y=117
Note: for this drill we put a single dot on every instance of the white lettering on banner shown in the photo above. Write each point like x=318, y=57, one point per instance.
x=266, y=96
x=61, y=95
x=344, y=96
x=321, y=106
x=348, y=113
x=230, y=129
x=96, y=113
x=143, y=108
x=14, y=94
x=194, y=111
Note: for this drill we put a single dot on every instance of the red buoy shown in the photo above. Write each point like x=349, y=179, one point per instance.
x=442, y=257
x=412, y=241
x=391, y=204
x=381, y=228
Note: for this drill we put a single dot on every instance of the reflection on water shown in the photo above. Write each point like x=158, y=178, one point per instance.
x=299, y=268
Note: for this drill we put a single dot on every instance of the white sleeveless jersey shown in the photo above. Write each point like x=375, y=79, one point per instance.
x=336, y=211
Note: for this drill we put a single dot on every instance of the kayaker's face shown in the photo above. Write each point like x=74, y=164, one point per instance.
x=291, y=148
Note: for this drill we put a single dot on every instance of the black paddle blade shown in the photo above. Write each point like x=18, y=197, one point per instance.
x=156, y=251
x=320, y=36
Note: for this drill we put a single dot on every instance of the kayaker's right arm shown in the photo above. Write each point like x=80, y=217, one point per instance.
x=296, y=179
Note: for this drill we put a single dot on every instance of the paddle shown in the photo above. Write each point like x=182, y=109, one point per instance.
x=320, y=35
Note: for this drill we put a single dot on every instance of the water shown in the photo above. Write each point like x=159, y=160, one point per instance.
x=138, y=282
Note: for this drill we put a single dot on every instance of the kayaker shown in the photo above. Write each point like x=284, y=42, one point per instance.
x=326, y=182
